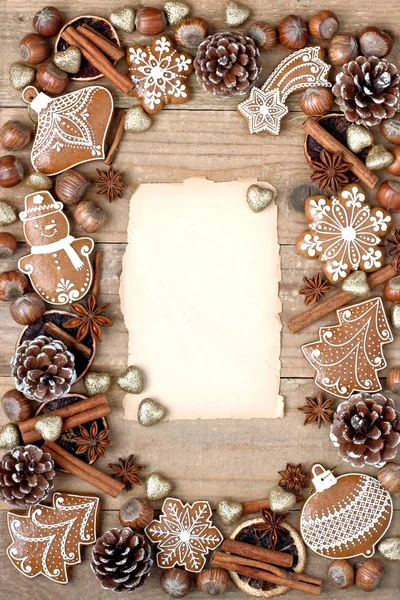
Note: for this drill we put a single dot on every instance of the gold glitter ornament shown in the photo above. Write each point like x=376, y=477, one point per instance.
x=8, y=214
x=150, y=412
x=258, y=198
x=124, y=18
x=176, y=12
x=157, y=487
x=97, y=383
x=21, y=75
x=356, y=283
x=9, y=436
x=395, y=314
x=229, y=511
x=236, y=14
x=280, y=500
x=68, y=60
x=378, y=158
x=390, y=548
x=358, y=137
x=136, y=120
x=49, y=427
x=39, y=181
x=131, y=381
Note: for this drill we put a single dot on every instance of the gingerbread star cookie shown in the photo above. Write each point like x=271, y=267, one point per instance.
x=159, y=73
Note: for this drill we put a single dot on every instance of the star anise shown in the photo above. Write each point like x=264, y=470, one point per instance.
x=110, y=183
x=315, y=288
x=330, y=171
x=125, y=469
x=317, y=409
x=293, y=478
x=272, y=526
x=93, y=442
x=89, y=319
x=393, y=246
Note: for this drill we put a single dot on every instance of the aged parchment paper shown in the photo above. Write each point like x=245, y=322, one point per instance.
x=199, y=294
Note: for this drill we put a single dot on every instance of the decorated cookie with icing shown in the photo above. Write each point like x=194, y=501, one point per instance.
x=58, y=265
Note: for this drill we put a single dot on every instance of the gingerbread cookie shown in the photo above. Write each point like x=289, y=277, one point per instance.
x=159, y=73
x=71, y=129
x=47, y=539
x=58, y=266
x=348, y=356
x=344, y=233
x=265, y=107
x=184, y=535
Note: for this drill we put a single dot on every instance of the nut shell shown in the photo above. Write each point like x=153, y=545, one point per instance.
x=293, y=32
x=34, y=48
x=375, y=42
x=51, y=79
x=47, y=21
x=15, y=135
x=16, y=406
x=390, y=128
x=13, y=284
x=150, y=21
x=136, y=514
x=369, y=574
x=264, y=35
x=394, y=168
x=389, y=474
x=71, y=186
x=190, y=32
x=388, y=195
x=324, y=25
x=341, y=573
x=8, y=244
x=27, y=309
x=213, y=582
x=177, y=583
x=316, y=101
x=89, y=216
x=11, y=171
x=342, y=49
x=391, y=289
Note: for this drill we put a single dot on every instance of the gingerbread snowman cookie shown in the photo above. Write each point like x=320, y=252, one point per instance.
x=58, y=265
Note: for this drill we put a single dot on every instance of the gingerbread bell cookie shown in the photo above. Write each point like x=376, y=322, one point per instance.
x=71, y=129
x=58, y=265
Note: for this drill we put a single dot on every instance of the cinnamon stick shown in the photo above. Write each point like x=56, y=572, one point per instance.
x=327, y=141
x=80, y=469
x=273, y=557
x=117, y=140
x=338, y=300
x=254, y=506
x=104, y=44
x=68, y=339
x=98, y=258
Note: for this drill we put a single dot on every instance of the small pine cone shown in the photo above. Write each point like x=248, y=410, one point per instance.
x=43, y=369
x=227, y=64
x=26, y=476
x=122, y=560
x=367, y=90
x=366, y=430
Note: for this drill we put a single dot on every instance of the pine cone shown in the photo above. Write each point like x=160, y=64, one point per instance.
x=122, y=560
x=366, y=430
x=367, y=90
x=26, y=476
x=43, y=369
x=227, y=63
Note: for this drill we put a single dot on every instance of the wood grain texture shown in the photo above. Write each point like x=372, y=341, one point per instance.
x=206, y=137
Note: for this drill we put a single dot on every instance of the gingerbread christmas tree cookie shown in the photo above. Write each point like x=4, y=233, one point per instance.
x=344, y=233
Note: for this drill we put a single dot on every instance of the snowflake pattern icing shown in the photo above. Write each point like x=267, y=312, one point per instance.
x=344, y=233
x=159, y=73
x=184, y=535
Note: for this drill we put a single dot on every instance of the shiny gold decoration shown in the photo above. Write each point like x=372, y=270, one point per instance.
x=157, y=487
x=8, y=214
x=176, y=12
x=236, y=14
x=136, y=120
x=280, y=500
x=396, y=315
x=49, y=426
x=378, y=158
x=258, y=198
x=358, y=137
x=356, y=283
x=39, y=181
x=390, y=548
x=21, y=75
x=124, y=19
x=68, y=60
x=131, y=381
x=229, y=511
x=150, y=412
x=9, y=436
x=97, y=383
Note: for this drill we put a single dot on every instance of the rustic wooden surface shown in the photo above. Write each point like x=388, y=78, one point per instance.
x=204, y=459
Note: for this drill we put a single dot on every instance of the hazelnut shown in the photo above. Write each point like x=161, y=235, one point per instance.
x=89, y=216
x=293, y=32
x=390, y=128
x=264, y=35
x=394, y=168
x=136, y=514
x=13, y=284
x=369, y=574
x=391, y=289
x=11, y=171
x=316, y=101
x=150, y=21
x=388, y=195
x=27, y=309
x=15, y=135
x=342, y=49
x=16, y=406
x=51, y=79
x=324, y=25
x=71, y=186
x=34, y=48
x=213, y=582
x=389, y=474
x=47, y=21
x=375, y=42
x=177, y=583
x=8, y=245
x=190, y=32
x=341, y=573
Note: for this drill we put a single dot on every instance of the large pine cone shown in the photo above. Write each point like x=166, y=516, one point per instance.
x=366, y=430
x=227, y=63
x=367, y=90
x=26, y=476
x=122, y=560
x=43, y=369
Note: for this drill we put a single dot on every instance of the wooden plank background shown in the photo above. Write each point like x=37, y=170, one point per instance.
x=204, y=459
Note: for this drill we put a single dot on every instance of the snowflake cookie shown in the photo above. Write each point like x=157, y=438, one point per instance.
x=159, y=73
x=184, y=535
x=344, y=233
